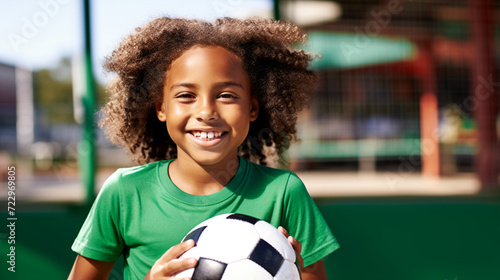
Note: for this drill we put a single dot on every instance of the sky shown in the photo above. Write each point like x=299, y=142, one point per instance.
x=36, y=34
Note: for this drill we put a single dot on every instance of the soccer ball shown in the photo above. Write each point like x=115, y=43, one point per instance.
x=236, y=246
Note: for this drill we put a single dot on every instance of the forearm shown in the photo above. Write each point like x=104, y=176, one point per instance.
x=315, y=271
x=89, y=269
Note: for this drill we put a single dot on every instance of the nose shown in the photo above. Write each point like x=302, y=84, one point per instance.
x=206, y=110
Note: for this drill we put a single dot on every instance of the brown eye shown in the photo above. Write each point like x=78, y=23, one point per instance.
x=227, y=95
x=184, y=95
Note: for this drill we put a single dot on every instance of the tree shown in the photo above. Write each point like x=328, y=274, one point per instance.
x=53, y=90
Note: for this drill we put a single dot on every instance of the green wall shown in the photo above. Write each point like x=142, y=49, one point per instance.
x=417, y=238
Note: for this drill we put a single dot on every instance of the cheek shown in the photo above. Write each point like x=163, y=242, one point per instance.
x=175, y=119
x=175, y=111
x=242, y=123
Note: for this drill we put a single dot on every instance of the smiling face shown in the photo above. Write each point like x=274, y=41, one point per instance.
x=207, y=105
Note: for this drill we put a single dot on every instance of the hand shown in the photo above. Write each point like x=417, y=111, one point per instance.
x=297, y=247
x=169, y=264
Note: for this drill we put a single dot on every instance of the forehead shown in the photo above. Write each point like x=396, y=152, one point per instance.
x=206, y=62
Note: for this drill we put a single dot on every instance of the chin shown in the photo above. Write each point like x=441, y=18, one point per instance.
x=208, y=159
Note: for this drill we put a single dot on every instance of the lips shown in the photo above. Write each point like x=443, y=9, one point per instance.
x=207, y=137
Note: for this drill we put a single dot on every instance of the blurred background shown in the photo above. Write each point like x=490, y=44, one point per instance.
x=399, y=147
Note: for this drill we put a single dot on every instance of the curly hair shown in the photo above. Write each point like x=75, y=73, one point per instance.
x=279, y=76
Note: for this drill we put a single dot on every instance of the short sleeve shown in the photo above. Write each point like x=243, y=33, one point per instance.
x=100, y=236
x=305, y=222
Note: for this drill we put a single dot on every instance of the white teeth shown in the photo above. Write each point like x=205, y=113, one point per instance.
x=207, y=135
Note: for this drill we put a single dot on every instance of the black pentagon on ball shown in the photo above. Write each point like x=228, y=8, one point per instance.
x=244, y=218
x=208, y=269
x=266, y=256
x=195, y=234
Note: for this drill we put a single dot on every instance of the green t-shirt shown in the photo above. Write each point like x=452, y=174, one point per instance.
x=139, y=212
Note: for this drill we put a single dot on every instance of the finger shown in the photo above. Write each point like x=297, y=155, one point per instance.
x=177, y=265
x=297, y=246
x=283, y=231
x=175, y=251
x=301, y=262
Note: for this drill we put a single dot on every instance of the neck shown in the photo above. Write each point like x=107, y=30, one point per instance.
x=197, y=179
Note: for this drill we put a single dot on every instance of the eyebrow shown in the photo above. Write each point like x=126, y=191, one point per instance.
x=188, y=85
x=218, y=85
x=227, y=84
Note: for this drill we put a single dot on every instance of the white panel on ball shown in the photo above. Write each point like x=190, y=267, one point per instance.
x=228, y=240
x=288, y=271
x=211, y=220
x=246, y=270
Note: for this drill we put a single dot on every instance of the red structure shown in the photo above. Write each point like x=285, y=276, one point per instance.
x=484, y=91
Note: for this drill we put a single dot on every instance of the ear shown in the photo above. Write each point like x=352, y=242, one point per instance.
x=160, y=112
x=254, y=109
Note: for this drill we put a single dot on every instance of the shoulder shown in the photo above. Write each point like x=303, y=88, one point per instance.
x=287, y=178
x=266, y=171
x=126, y=178
x=137, y=171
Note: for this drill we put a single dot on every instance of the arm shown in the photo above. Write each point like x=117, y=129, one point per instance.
x=315, y=271
x=89, y=269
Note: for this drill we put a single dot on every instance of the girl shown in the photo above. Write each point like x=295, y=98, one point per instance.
x=198, y=104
